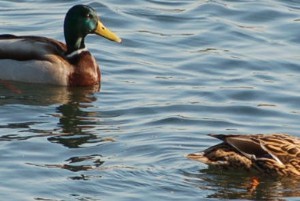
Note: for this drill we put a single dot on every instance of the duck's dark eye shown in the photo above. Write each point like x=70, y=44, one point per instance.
x=90, y=16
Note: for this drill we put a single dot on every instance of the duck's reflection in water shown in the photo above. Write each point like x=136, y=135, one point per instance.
x=235, y=185
x=76, y=120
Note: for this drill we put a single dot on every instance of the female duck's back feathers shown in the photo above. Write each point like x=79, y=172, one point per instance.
x=277, y=154
x=37, y=59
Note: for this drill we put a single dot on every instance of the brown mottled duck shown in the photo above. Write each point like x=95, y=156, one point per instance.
x=274, y=154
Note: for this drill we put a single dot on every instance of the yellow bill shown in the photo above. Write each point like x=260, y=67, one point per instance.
x=101, y=30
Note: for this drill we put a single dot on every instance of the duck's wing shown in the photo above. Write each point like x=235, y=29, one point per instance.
x=244, y=144
x=30, y=48
x=33, y=59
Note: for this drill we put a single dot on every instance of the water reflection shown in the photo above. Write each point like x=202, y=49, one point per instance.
x=43, y=95
x=74, y=121
x=233, y=185
x=69, y=111
x=76, y=164
x=70, y=115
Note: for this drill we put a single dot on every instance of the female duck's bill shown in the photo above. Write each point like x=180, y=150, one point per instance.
x=36, y=59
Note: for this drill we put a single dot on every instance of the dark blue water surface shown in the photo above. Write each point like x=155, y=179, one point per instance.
x=185, y=68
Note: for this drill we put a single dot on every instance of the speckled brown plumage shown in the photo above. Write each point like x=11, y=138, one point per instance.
x=275, y=154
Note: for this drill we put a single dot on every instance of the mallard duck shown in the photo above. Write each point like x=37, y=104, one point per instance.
x=275, y=154
x=36, y=59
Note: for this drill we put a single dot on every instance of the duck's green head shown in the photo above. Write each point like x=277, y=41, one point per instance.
x=80, y=21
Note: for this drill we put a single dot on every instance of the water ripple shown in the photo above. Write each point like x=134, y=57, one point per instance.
x=184, y=69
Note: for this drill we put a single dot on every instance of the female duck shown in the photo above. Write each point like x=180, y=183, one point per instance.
x=43, y=60
x=276, y=154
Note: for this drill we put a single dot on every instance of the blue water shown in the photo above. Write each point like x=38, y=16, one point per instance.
x=185, y=68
